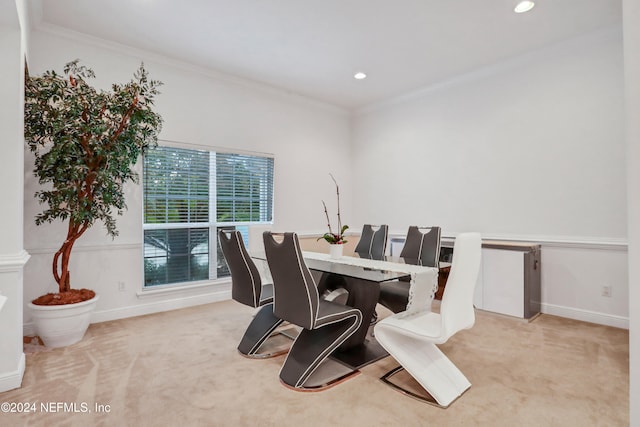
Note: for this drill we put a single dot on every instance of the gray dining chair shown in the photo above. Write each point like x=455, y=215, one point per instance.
x=422, y=243
x=372, y=245
x=326, y=324
x=422, y=246
x=373, y=241
x=247, y=288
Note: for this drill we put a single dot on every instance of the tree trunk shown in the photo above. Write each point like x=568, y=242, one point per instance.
x=61, y=265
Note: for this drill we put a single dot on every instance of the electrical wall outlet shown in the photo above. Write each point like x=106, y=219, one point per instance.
x=121, y=286
x=606, y=291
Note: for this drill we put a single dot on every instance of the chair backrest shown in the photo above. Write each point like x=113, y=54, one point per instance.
x=246, y=284
x=456, y=309
x=422, y=245
x=373, y=242
x=295, y=294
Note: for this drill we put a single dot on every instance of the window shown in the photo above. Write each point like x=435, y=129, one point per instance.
x=188, y=196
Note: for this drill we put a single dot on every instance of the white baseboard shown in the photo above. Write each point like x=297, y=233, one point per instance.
x=13, y=380
x=156, y=307
x=586, y=316
x=149, y=308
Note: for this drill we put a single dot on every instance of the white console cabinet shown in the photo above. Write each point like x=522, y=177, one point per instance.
x=509, y=279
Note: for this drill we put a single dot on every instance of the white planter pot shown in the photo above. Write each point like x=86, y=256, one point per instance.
x=62, y=325
x=335, y=251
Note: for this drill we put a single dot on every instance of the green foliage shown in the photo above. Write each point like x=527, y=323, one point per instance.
x=335, y=239
x=85, y=143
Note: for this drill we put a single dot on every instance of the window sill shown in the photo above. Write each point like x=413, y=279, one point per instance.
x=218, y=284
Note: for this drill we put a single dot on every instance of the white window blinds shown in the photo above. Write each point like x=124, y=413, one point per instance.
x=244, y=187
x=176, y=186
x=188, y=196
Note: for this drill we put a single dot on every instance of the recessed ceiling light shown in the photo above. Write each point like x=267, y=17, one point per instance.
x=359, y=76
x=524, y=6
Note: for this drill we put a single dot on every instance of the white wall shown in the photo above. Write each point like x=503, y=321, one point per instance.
x=525, y=144
x=631, y=22
x=572, y=278
x=530, y=149
x=199, y=108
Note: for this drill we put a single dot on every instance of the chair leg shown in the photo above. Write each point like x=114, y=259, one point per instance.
x=311, y=348
x=427, y=364
x=260, y=328
x=422, y=395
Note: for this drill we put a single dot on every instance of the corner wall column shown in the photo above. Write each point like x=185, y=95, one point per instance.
x=12, y=255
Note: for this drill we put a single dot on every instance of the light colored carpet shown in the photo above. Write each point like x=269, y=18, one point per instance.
x=182, y=368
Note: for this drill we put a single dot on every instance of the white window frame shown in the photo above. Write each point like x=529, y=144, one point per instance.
x=212, y=224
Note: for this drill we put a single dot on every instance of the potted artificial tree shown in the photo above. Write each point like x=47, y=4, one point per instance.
x=85, y=142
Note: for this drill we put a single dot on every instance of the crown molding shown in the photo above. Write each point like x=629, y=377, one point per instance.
x=243, y=83
x=481, y=73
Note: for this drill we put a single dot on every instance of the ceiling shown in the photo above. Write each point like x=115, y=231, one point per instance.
x=313, y=48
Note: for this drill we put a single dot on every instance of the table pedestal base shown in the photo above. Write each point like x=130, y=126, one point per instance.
x=361, y=355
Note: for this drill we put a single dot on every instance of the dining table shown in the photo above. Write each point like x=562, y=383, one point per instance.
x=361, y=276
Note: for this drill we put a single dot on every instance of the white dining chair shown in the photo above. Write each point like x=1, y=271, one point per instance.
x=411, y=336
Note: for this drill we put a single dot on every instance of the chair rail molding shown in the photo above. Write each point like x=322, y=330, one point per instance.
x=574, y=271
x=88, y=248
x=584, y=242
x=13, y=262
